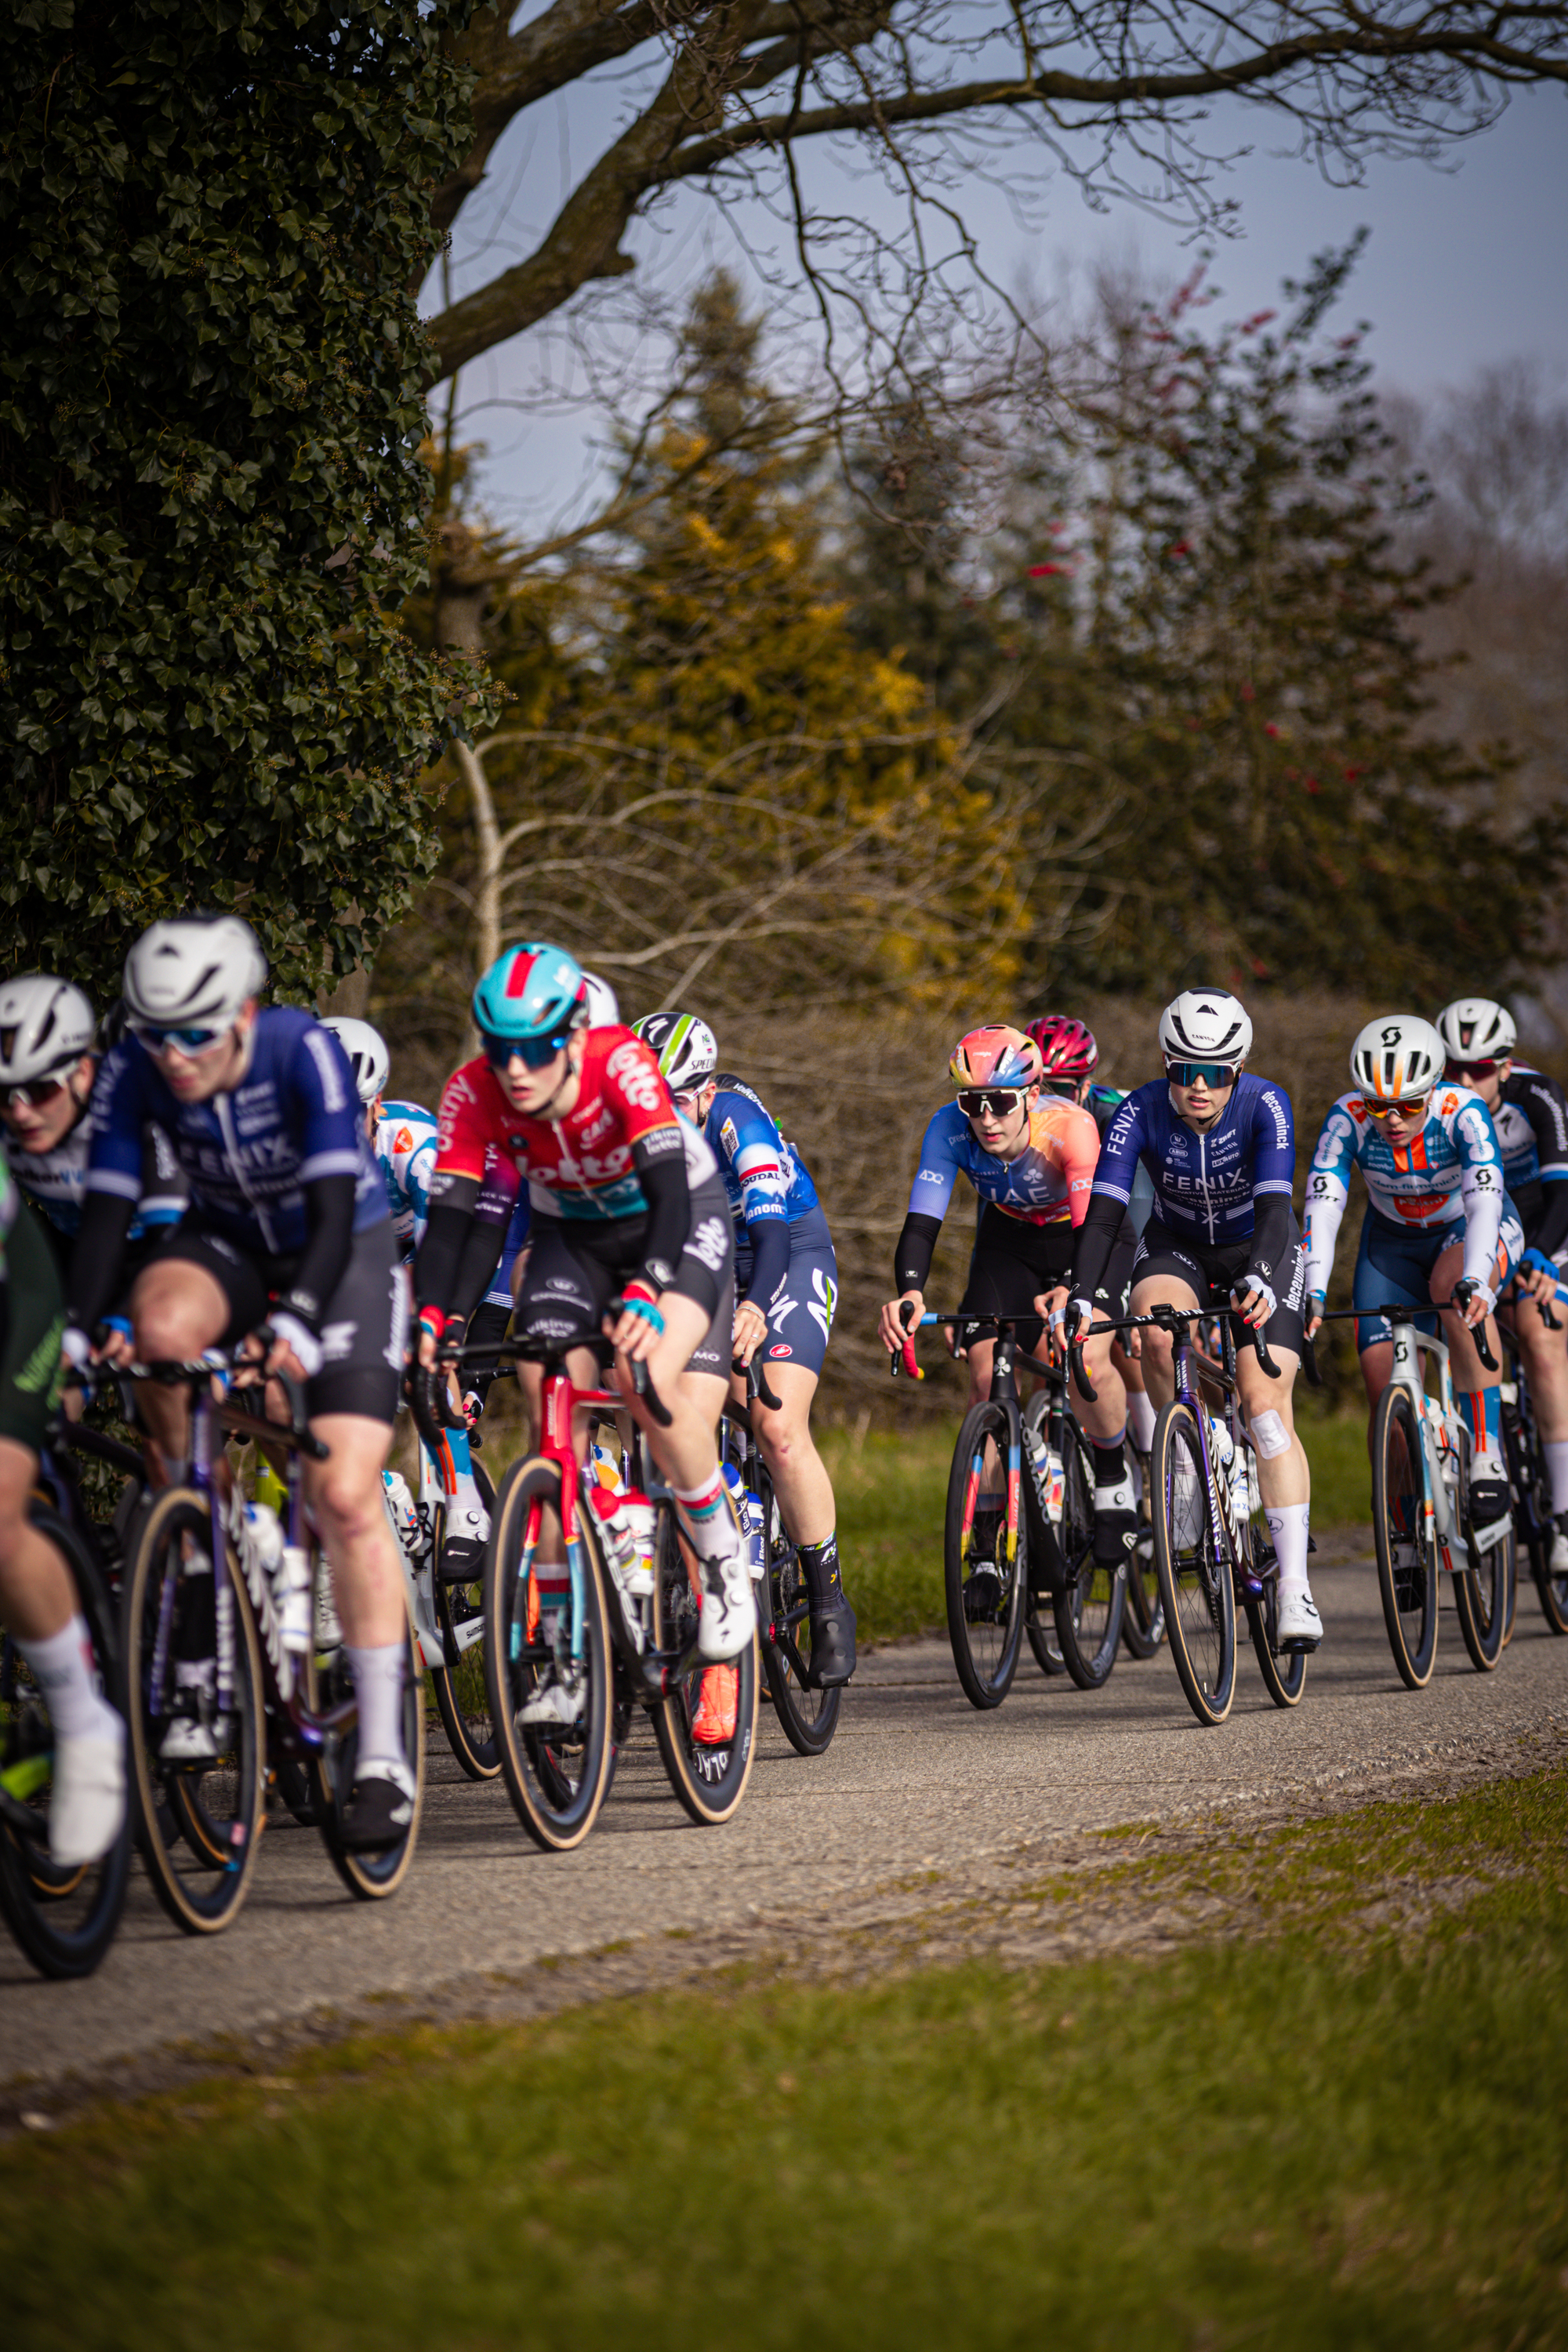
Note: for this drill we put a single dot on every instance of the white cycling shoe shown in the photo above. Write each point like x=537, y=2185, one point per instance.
x=557, y=1704
x=87, y=1802
x=729, y=1618
x=1298, y=1618
x=1558, y=1563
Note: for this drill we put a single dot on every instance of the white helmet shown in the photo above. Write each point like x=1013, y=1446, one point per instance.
x=1397, y=1059
x=197, y=971
x=687, y=1053
x=44, y=1024
x=603, y=1004
x=1474, y=1029
x=368, y=1057
x=1206, y=1024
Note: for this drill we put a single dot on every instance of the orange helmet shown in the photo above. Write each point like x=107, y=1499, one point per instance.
x=996, y=1056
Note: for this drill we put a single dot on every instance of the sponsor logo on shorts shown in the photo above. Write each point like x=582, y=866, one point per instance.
x=711, y=1243
x=822, y=1302
x=563, y=1283
x=337, y=1341
x=781, y=1349
x=550, y=1327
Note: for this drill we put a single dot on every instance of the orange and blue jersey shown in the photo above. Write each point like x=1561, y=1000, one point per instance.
x=1049, y=1183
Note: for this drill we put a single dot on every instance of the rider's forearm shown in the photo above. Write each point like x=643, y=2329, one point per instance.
x=917, y=1247
x=662, y=1173
x=96, y=1259
x=436, y=1268
x=1095, y=1240
x=480, y=1256
x=1326, y=1202
x=1483, y=1222
x=1270, y=1239
x=329, y=1237
x=1552, y=1231
x=769, y=1237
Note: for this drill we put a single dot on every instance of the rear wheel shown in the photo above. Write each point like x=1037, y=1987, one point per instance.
x=1088, y=1612
x=1196, y=1587
x=707, y=1727
x=984, y=1588
x=1406, y=1555
x=809, y=1716
x=328, y=1684
x=1481, y=1603
x=556, y=1775
x=1144, y=1619
x=63, y=1917
x=462, y=1693
x=1040, y=1611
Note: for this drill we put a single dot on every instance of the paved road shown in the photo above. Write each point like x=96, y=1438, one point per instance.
x=916, y=1780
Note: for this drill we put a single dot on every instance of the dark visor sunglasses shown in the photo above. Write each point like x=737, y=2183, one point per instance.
x=533, y=1053
x=1207, y=1074
x=32, y=1095
x=1472, y=1070
x=975, y=1101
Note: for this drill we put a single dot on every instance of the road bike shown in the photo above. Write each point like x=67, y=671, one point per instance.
x=1211, y=1535
x=616, y=1633
x=64, y=1919
x=1421, y=1506
x=221, y=1641
x=808, y=1713
x=1531, y=1481
x=1018, y=1542
x=445, y=1602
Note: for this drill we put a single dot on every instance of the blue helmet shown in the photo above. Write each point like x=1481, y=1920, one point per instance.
x=532, y=991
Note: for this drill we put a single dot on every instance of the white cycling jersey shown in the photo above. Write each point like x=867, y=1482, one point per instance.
x=1451, y=1173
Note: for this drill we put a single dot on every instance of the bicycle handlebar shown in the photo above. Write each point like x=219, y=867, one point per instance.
x=169, y=1373
x=755, y=1377
x=906, y=1354
x=1163, y=1317
x=1400, y=1311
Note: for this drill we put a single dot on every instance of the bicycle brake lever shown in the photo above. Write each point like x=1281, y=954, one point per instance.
x=1261, y=1345
x=1082, y=1380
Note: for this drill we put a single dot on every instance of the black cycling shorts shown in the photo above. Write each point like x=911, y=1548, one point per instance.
x=575, y=1269
x=364, y=1327
x=1014, y=1261
x=32, y=1324
x=1210, y=1272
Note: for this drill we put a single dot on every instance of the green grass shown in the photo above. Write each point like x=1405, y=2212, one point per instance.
x=1350, y=2128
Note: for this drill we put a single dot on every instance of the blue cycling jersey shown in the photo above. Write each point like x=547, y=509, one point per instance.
x=1532, y=1123
x=1205, y=1185
x=1448, y=1176
x=246, y=1155
x=406, y=1137
x=765, y=1177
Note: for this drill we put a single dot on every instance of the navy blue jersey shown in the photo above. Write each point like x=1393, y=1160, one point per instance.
x=246, y=1156
x=764, y=1176
x=56, y=1182
x=1532, y=1123
x=1205, y=1185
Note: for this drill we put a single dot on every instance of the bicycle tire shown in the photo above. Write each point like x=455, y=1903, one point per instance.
x=988, y=1677
x=1511, y=1610
x=1407, y=1562
x=369, y=1878
x=556, y=1785
x=708, y=1777
x=1039, y=1615
x=1199, y=1602
x=1480, y=1604
x=64, y=1920
x=470, y=1726
x=1088, y=1612
x=1284, y=1671
x=217, y=1827
x=1144, y=1619
x=809, y=1716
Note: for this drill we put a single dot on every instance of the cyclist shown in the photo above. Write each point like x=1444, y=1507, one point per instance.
x=1530, y=1113
x=1219, y=1146
x=287, y=1203
x=626, y=1200
x=1438, y=1223
x=403, y=1136
x=48, y=1064
x=1030, y=1157
x=38, y=1605
x=787, y=1278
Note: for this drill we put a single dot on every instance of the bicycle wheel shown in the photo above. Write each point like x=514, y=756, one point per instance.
x=1196, y=1591
x=329, y=1683
x=1480, y=1603
x=1144, y=1619
x=708, y=1772
x=1039, y=1614
x=198, y=1820
x=1406, y=1556
x=63, y=1918
x=809, y=1716
x=1088, y=1612
x=984, y=1593
x=556, y=1778
x=462, y=1695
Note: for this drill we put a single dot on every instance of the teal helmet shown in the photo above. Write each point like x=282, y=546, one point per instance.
x=532, y=994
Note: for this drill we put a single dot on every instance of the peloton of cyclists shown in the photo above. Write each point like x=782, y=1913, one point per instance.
x=1219, y=1147
x=787, y=1276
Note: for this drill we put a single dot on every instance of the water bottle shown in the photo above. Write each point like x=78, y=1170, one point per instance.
x=1048, y=1470
x=263, y=1535
x=638, y=1513
x=749, y=1512
x=291, y=1599
x=405, y=1510
x=632, y=1574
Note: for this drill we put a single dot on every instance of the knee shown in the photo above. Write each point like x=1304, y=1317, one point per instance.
x=781, y=1445
x=348, y=1502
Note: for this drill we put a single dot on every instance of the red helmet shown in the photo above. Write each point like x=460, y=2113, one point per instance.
x=1068, y=1049
x=996, y=1056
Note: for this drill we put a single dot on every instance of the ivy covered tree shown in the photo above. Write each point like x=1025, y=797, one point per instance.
x=211, y=505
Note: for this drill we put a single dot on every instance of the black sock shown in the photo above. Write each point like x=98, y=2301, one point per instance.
x=1109, y=1463
x=819, y=1566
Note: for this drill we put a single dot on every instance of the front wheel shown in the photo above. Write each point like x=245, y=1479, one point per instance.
x=1196, y=1588
x=809, y=1715
x=1481, y=1603
x=462, y=1695
x=707, y=1727
x=984, y=1584
x=1089, y=1611
x=329, y=1683
x=1406, y=1555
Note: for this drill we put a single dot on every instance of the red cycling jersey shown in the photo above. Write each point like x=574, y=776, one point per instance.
x=581, y=1165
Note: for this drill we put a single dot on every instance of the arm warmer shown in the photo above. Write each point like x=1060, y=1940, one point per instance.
x=482, y=1246
x=329, y=1238
x=96, y=1259
x=1096, y=1239
x=440, y=1262
x=769, y=1238
x=1553, y=1230
x=1270, y=1238
x=917, y=1247
x=662, y=1173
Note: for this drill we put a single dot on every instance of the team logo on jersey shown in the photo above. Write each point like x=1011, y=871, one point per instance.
x=729, y=1138
x=636, y=1072
x=403, y=1139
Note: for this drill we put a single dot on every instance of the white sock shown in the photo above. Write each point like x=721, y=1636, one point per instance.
x=1287, y=1527
x=707, y=1518
x=1556, y=1451
x=62, y=1668
x=1141, y=1419
x=378, y=1687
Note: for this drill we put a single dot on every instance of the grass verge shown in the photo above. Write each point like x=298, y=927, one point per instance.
x=1345, y=2122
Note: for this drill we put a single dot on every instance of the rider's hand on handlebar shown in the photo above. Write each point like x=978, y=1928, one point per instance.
x=1473, y=1300
x=890, y=1330
x=750, y=1328
x=1537, y=1277
x=1254, y=1302
x=1317, y=1306
x=1051, y=1308
x=639, y=1328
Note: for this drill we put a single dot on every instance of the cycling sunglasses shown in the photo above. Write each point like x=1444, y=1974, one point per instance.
x=1416, y=1109
x=192, y=1043
x=1207, y=1074
x=533, y=1053
x=1472, y=1070
x=975, y=1101
x=32, y=1095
